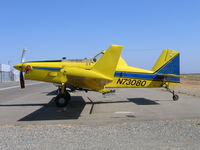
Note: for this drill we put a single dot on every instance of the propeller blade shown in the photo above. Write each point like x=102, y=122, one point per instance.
x=21, y=76
x=22, y=80
x=23, y=55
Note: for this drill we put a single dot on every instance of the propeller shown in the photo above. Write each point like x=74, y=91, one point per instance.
x=21, y=75
x=22, y=85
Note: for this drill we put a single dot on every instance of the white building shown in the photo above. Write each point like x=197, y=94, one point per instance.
x=15, y=75
x=8, y=74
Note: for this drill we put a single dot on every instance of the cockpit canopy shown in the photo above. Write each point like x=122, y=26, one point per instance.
x=88, y=60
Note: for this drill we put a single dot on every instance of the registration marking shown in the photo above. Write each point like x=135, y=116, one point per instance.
x=131, y=82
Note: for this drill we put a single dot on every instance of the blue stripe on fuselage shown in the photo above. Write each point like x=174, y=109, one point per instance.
x=153, y=77
x=47, y=68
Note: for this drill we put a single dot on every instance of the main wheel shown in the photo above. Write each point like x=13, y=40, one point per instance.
x=62, y=100
x=175, y=97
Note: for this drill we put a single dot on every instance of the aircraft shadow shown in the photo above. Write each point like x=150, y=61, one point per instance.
x=51, y=112
x=54, y=92
x=143, y=101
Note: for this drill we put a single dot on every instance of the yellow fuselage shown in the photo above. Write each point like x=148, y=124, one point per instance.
x=109, y=71
x=59, y=72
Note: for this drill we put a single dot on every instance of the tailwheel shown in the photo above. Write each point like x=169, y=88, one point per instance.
x=175, y=97
x=62, y=100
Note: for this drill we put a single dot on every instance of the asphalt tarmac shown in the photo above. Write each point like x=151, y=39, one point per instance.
x=129, y=109
x=36, y=103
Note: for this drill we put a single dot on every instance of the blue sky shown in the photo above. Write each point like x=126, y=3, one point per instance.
x=51, y=29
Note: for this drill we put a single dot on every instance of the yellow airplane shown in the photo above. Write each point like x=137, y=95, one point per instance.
x=105, y=71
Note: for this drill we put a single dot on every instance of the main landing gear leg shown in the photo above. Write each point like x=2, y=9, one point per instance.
x=63, y=97
x=175, y=96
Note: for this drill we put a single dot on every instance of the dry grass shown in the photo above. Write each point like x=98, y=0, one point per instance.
x=190, y=85
x=193, y=77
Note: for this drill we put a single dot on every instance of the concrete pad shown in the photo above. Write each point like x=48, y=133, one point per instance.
x=35, y=105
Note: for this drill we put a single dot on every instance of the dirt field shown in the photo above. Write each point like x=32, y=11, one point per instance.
x=190, y=85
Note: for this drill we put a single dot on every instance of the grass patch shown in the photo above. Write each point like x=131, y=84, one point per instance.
x=193, y=77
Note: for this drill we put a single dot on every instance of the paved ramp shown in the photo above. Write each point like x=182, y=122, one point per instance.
x=35, y=103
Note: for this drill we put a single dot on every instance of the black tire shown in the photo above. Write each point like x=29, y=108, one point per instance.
x=175, y=97
x=62, y=100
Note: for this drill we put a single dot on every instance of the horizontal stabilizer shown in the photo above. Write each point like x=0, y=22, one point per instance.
x=170, y=75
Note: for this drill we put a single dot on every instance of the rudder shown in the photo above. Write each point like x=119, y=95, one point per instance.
x=168, y=63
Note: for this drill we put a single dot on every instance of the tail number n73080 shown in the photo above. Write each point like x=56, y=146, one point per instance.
x=132, y=82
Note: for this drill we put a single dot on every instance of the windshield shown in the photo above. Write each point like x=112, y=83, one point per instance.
x=98, y=56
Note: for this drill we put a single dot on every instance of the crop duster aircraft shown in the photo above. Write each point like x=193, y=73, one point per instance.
x=105, y=71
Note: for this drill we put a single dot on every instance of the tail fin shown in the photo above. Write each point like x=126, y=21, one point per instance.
x=108, y=62
x=168, y=63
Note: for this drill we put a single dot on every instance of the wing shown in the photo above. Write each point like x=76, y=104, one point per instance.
x=99, y=75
